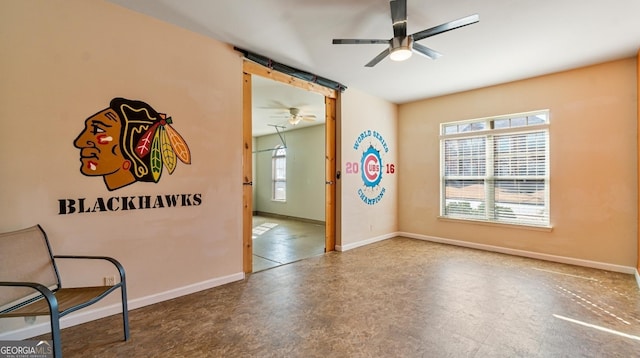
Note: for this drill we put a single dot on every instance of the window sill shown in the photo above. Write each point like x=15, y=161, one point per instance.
x=496, y=224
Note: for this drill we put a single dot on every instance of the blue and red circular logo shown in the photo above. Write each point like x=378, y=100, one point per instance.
x=371, y=163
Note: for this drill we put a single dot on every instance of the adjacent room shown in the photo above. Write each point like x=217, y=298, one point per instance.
x=288, y=137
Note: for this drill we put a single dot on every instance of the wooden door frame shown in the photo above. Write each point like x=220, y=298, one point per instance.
x=250, y=68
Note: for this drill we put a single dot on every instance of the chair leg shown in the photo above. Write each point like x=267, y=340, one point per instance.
x=125, y=312
x=55, y=335
x=54, y=316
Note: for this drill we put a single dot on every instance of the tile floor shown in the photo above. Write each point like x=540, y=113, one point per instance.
x=278, y=241
x=396, y=298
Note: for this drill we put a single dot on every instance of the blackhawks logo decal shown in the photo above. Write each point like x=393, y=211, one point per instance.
x=129, y=142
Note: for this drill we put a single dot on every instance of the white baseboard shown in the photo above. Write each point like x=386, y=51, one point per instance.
x=365, y=242
x=504, y=250
x=530, y=254
x=84, y=316
x=182, y=291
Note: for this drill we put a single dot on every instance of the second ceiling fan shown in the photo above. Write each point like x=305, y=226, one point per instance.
x=401, y=46
x=295, y=116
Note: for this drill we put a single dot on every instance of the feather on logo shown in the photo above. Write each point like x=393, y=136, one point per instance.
x=165, y=145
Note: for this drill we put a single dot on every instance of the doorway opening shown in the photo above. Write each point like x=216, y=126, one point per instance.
x=299, y=192
x=288, y=140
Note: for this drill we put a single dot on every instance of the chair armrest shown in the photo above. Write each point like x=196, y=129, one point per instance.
x=115, y=262
x=52, y=301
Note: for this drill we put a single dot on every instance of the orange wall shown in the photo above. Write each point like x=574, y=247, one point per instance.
x=593, y=154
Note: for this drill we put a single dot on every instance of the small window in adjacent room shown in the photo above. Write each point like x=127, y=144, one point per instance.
x=279, y=174
x=496, y=169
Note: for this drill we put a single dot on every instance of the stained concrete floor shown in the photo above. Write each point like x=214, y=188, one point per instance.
x=278, y=241
x=396, y=298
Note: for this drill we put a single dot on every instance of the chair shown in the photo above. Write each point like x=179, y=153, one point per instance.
x=30, y=283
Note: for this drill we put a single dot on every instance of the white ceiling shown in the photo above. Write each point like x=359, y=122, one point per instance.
x=272, y=100
x=514, y=39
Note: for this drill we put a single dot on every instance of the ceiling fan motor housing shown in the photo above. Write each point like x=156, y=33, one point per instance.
x=402, y=41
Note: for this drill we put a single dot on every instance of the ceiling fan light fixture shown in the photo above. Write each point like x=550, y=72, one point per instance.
x=400, y=48
x=294, y=120
x=400, y=54
x=295, y=116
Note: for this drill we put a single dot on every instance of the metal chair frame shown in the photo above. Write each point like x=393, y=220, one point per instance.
x=57, y=302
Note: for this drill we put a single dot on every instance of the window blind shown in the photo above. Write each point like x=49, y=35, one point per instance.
x=496, y=169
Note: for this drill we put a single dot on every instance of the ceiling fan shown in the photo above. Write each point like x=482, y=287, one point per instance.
x=295, y=116
x=401, y=46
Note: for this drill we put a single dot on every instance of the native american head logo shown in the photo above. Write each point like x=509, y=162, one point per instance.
x=128, y=142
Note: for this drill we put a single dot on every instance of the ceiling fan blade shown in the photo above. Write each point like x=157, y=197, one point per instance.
x=399, y=17
x=425, y=51
x=359, y=41
x=378, y=58
x=274, y=104
x=448, y=26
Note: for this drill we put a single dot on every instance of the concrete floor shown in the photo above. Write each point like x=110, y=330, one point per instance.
x=278, y=241
x=395, y=298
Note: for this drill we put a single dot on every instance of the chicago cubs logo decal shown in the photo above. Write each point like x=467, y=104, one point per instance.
x=372, y=167
x=370, y=164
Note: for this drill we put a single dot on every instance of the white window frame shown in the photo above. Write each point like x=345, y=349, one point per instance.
x=485, y=128
x=279, y=157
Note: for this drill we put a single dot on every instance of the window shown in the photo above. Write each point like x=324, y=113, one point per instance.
x=279, y=174
x=496, y=169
